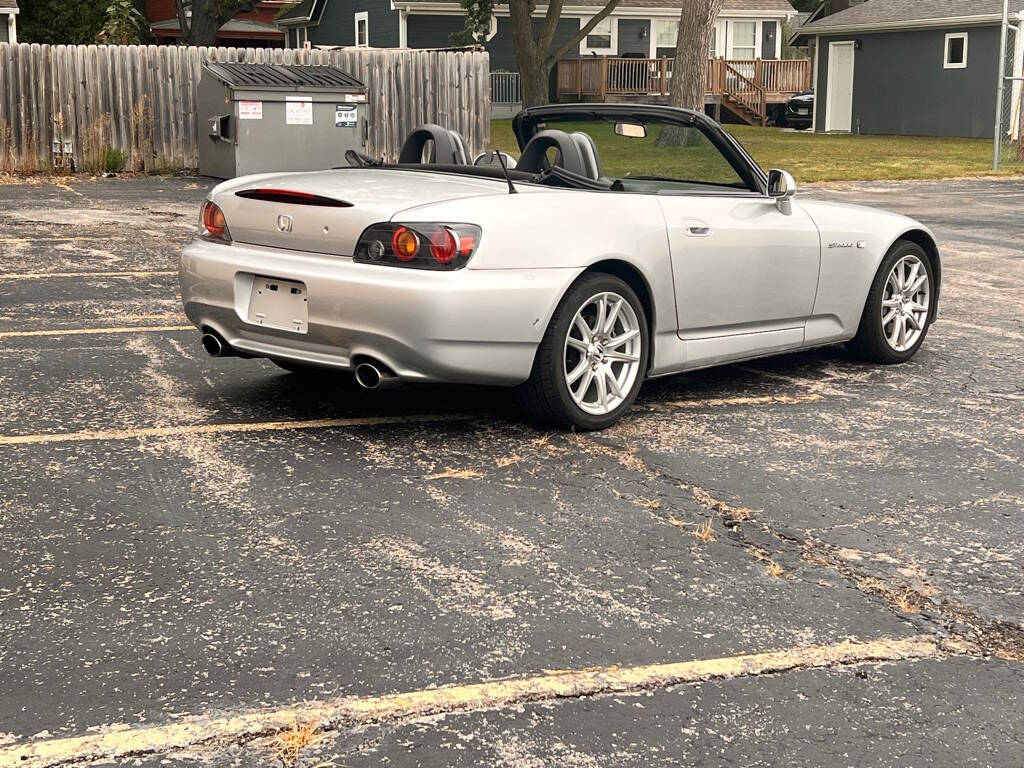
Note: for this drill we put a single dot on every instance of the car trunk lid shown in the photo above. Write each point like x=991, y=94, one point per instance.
x=325, y=212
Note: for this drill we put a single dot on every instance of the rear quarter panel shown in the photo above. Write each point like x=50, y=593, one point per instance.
x=558, y=229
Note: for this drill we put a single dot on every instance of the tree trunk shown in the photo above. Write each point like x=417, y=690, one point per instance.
x=203, y=26
x=690, y=69
x=529, y=59
x=535, y=79
x=533, y=44
x=208, y=16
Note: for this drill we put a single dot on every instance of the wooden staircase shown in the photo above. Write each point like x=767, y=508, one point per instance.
x=743, y=97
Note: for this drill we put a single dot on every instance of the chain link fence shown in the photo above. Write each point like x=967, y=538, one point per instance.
x=1010, y=148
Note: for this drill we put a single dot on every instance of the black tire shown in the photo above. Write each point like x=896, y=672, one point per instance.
x=870, y=343
x=545, y=394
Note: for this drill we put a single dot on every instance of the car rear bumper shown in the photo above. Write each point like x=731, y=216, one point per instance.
x=794, y=120
x=474, y=326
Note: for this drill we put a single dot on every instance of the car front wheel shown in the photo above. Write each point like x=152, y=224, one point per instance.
x=898, y=307
x=593, y=357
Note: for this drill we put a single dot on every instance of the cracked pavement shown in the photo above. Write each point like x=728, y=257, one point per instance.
x=797, y=501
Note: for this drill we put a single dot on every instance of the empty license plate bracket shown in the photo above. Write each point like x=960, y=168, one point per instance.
x=280, y=304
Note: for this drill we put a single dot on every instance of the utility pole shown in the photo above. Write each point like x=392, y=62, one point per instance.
x=1002, y=84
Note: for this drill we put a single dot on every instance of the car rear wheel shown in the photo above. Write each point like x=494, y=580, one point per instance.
x=898, y=307
x=593, y=357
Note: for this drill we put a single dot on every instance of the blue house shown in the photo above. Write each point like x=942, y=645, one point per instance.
x=746, y=29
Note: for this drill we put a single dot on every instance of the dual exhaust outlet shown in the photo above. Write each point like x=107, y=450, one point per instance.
x=369, y=374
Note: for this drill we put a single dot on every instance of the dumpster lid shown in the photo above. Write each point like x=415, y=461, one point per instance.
x=282, y=76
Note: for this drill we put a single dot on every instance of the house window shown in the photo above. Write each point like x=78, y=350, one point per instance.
x=600, y=37
x=956, y=51
x=362, y=29
x=665, y=33
x=744, y=40
x=713, y=42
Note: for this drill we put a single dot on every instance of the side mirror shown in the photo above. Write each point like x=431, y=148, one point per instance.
x=781, y=185
x=782, y=189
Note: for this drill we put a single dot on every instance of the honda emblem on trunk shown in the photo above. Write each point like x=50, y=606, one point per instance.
x=284, y=223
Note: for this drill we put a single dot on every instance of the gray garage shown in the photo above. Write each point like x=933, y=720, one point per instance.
x=911, y=67
x=260, y=118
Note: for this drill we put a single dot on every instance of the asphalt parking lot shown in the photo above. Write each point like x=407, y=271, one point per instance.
x=822, y=560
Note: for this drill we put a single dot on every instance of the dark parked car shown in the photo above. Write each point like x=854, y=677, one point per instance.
x=800, y=111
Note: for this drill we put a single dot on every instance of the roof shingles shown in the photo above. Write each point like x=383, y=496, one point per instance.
x=783, y=6
x=883, y=12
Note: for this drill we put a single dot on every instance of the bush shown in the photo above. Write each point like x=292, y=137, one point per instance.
x=114, y=160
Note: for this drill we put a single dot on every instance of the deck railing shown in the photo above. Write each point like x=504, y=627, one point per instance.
x=599, y=77
x=506, y=88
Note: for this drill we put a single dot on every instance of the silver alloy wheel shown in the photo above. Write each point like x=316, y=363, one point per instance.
x=601, y=360
x=906, y=299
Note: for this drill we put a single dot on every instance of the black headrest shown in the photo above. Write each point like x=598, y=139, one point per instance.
x=534, y=157
x=448, y=146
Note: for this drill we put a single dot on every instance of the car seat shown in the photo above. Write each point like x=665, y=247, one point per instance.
x=446, y=147
x=588, y=151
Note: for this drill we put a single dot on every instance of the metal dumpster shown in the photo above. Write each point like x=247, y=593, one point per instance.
x=256, y=118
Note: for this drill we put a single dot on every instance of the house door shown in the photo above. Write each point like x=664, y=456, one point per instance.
x=839, y=106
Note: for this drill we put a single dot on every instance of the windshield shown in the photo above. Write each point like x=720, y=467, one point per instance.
x=651, y=157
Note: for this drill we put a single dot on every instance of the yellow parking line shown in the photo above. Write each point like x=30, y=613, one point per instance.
x=364, y=710
x=755, y=400
x=213, y=429
x=96, y=331
x=45, y=275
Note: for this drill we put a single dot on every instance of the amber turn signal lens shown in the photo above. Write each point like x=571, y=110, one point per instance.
x=214, y=222
x=405, y=244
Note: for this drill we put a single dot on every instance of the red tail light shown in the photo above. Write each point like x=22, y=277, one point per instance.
x=214, y=223
x=418, y=245
x=443, y=246
x=292, y=197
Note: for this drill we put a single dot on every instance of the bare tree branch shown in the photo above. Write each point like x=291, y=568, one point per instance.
x=551, y=18
x=584, y=31
x=183, y=25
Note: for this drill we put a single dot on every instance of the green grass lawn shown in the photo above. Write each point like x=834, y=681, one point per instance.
x=814, y=157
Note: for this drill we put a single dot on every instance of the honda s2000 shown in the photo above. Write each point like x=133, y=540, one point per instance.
x=628, y=242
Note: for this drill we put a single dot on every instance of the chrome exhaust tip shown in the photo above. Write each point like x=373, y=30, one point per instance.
x=368, y=376
x=214, y=346
x=374, y=376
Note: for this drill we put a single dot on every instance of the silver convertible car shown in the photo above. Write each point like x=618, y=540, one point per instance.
x=627, y=242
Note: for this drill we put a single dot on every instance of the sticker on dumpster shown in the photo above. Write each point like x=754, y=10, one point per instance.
x=250, y=110
x=357, y=97
x=298, y=110
x=344, y=116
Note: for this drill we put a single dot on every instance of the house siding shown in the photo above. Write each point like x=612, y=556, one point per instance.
x=900, y=86
x=435, y=31
x=337, y=25
x=634, y=38
x=502, y=50
x=425, y=31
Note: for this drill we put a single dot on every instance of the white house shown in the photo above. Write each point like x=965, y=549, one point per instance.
x=9, y=14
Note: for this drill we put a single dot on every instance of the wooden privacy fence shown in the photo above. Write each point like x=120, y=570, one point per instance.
x=59, y=103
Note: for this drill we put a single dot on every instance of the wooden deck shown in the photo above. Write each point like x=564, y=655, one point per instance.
x=744, y=87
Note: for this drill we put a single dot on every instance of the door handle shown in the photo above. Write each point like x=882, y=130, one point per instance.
x=698, y=229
